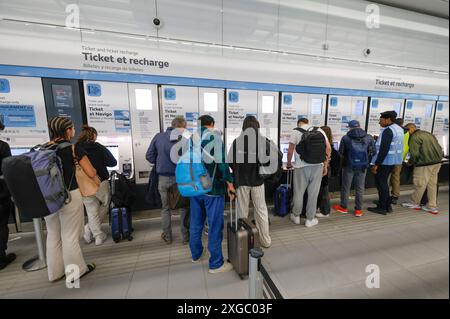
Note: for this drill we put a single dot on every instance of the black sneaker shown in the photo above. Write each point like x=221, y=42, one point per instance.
x=5, y=261
x=377, y=210
x=394, y=200
x=167, y=240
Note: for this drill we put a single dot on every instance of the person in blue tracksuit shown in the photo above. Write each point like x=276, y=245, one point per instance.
x=211, y=206
x=389, y=152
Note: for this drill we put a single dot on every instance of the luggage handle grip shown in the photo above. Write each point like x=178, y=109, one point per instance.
x=231, y=213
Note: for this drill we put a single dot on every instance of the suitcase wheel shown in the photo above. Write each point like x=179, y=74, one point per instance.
x=242, y=277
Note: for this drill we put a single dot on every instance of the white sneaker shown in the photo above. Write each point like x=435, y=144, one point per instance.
x=100, y=239
x=322, y=215
x=311, y=223
x=411, y=205
x=224, y=268
x=295, y=219
x=87, y=235
x=433, y=210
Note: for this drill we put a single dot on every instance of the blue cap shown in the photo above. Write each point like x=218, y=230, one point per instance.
x=353, y=124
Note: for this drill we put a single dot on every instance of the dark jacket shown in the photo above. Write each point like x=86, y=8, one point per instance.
x=424, y=149
x=158, y=152
x=5, y=152
x=346, y=144
x=100, y=157
x=245, y=160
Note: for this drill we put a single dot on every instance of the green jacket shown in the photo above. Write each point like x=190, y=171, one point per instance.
x=212, y=141
x=424, y=149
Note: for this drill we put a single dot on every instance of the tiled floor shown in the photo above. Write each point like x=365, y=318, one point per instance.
x=411, y=249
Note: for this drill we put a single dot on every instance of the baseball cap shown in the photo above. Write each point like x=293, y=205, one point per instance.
x=353, y=124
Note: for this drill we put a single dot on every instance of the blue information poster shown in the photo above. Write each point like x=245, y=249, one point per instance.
x=122, y=120
x=18, y=115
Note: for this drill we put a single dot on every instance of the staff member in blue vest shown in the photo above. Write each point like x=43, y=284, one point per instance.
x=389, y=153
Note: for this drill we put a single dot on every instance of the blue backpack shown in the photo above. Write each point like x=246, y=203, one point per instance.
x=191, y=174
x=35, y=180
x=359, y=157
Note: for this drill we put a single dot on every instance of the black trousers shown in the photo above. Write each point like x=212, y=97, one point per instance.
x=382, y=183
x=5, y=210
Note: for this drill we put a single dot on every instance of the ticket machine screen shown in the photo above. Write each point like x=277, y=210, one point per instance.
x=114, y=149
x=19, y=150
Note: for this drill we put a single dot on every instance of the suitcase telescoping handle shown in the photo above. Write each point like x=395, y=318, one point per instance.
x=231, y=213
x=290, y=175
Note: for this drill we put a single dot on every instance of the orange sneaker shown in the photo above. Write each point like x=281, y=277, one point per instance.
x=358, y=213
x=340, y=209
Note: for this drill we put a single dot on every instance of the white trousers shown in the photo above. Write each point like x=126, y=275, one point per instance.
x=97, y=207
x=64, y=230
x=261, y=213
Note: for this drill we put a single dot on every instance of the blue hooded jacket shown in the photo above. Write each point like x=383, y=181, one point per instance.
x=346, y=144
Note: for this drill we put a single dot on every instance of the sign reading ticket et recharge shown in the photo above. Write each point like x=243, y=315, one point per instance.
x=17, y=115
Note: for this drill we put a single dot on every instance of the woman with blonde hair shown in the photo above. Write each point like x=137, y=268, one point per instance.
x=97, y=205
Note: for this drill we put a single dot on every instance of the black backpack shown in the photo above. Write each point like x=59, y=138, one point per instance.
x=312, y=146
x=122, y=193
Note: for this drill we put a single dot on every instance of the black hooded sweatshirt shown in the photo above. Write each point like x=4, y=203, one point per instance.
x=100, y=157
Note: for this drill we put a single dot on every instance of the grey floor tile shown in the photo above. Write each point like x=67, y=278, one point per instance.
x=111, y=288
x=352, y=291
x=149, y=284
x=226, y=286
x=60, y=291
x=187, y=281
x=411, y=286
x=434, y=274
x=29, y=294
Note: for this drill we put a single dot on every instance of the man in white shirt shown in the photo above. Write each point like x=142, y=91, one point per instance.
x=307, y=176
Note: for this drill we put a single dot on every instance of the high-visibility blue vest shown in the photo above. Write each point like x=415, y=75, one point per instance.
x=395, y=154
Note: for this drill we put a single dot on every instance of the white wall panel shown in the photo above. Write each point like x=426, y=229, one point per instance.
x=133, y=16
x=199, y=20
x=250, y=23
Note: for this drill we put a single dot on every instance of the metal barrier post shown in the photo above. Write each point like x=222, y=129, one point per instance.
x=255, y=287
x=38, y=262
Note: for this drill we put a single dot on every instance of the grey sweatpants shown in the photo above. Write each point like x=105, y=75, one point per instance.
x=96, y=208
x=307, y=178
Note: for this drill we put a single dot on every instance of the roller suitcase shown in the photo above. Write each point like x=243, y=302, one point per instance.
x=119, y=212
x=283, y=195
x=120, y=224
x=242, y=236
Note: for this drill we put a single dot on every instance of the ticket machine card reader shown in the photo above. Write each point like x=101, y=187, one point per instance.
x=127, y=170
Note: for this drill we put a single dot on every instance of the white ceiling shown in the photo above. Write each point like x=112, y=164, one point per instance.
x=439, y=8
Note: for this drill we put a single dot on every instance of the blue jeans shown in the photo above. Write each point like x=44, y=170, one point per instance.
x=358, y=177
x=212, y=208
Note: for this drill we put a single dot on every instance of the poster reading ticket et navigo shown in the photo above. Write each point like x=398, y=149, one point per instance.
x=108, y=111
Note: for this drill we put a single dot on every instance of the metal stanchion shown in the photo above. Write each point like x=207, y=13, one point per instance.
x=38, y=262
x=255, y=281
